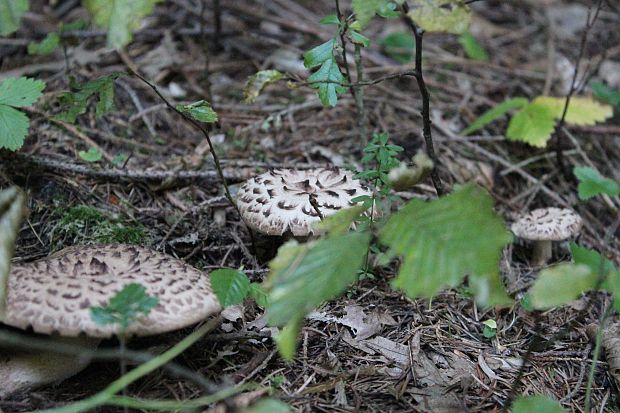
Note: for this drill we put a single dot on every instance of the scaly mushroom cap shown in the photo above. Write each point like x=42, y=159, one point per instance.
x=55, y=294
x=279, y=201
x=547, y=224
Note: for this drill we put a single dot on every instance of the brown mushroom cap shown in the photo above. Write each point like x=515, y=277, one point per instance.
x=547, y=224
x=279, y=201
x=55, y=294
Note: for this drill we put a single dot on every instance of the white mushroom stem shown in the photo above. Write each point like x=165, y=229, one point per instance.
x=542, y=252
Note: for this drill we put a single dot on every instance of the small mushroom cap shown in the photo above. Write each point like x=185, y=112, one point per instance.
x=547, y=224
x=55, y=294
x=280, y=200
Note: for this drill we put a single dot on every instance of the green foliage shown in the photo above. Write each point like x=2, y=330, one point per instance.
x=365, y=10
x=268, y=405
x=561, y=284
x=380, y=157
x=258, y=293
x=534, y=125
x=532, y=404
x=45, y=46
x=12, y=211
x=449, y=16
x=444, y=240
x=201, y=111
x=327, y=79
x=257, y=82
x=601, y=267
x=74, y=103
x=495, y=113
x=125, y=307
x=473, y=49
x=230, y=286
x=11, y=12
x=490, y=328
x=119, y=17
x=592, y=183
x=92, y=155
x=603, y=92
x=16, y=93
x=581, y=111
x=400, y=46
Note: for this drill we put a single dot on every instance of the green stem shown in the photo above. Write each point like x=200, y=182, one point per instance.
x=104, y=396
x=359, y=94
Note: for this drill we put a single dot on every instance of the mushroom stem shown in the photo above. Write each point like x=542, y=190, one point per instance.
x=542, y=253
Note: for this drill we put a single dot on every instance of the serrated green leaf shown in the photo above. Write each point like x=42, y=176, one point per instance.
x=316, y=56
x=495, y=113
x=201, y=111
x=328, y=80
x=257, y=82
x=400, y=46
x=592, y=183
x=230, y=286
x=605, y=93
x=125, y=307
x=45, y=46
x=448, y=16
x=20, y=92
x=11, y=12
x=533, y=125
x=92, y=155
x=444, y=240
x=561, y=284
x=119, y=17
x=365, y=10
x=268, y=406
x=12, y=211
x=75, y=103
x=305, y=275
x=581, y=110
x=473, y=49
x=13, y=128
x=540, y=404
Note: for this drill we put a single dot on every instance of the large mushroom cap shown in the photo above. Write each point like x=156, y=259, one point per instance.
x=547, y=224
x=55, y=294
x=280, y=200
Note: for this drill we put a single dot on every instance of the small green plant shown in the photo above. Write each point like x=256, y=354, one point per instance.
x=125, y=307
x=490, y=328
x=233, y=286
x=606, y=94
x=592, y=183
x=14, y=94
x=92, y=155
x=74, y=102
x=54, y=39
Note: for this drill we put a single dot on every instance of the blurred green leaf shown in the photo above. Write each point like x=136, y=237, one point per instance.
x=448, y=16
x=495, y=113
x=561, y=284
x=200, y=110
x=473, y=49
x=11, y=12
x=231, y=286
x=606, y=94
x=74, y=103
x=268, y=405
x=366, y=9
x=601, y=267
x=400, y=46
x=533, y=125
x=257, y=82
x=92, y=155
x=330, y=19
x=45, y=46
x=537, y=404
x=444, y=240
x=592, y=183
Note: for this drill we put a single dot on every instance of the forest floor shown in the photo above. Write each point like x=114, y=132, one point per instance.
x=421, y=355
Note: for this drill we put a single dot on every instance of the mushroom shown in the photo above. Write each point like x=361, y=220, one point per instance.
x=289, y=200
x=545, y=225
x=55, y=294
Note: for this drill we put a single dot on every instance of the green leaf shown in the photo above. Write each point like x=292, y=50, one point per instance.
x=400, y=46
x=316, y=56
x=606, y=94
x=11, y=12
x=257, y=82
x=340, y=222
x=305, y=275
x=561, y=284
x=365, y=10
x=360, y=39
x=286, y=339
x=268, y=406
x=45, y=46
x=201, y=111
x=119, y=17
x=328, y=80
x=449, y=16
x=119, y=159
x=20, y=92
x=490, y=328
x=601, y=267
x=92, y=155
x=74, y=103
x=537, y=404
x=473, y=49
x=330, y=19
x=444, y=240
x=258, y=293
x=12, y=211
x=230, y=286
x=13, y=128
x=533, y=125
x=125, y=307
x=495, y=113
x=581, y=110
x=592, y=183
